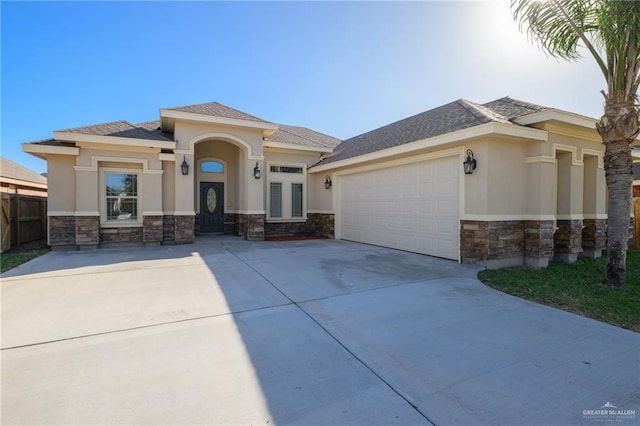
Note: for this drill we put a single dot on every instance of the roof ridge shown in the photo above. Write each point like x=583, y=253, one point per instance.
x=220, y=105
x=478, y=109
x=304, y=137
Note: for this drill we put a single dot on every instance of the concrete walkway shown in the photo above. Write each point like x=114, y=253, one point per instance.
x=318, y=332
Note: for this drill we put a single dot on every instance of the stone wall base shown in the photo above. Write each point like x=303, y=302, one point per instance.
x=62, y=231
x=316, y=224
x=130, y=236
x=533, y=243
x=184, y=229
x=87, y=232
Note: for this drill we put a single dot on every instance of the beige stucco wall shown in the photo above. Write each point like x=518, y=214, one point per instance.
x=250, y=194
x=90, y=164
x=319, y=199
x=61, y=181
x=228, y=154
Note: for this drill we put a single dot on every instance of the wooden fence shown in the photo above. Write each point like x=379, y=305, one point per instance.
x=23, y=219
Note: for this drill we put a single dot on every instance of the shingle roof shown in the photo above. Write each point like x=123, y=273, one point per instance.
x=454, y=116
x=12, y=170
x=513, y=108
x=216, y=109
x=122, y=129
x=303, y=136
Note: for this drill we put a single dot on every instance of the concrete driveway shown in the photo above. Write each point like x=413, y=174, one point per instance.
x=318, y=332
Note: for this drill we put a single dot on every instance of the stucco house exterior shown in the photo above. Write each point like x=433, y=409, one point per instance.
x=537, y=192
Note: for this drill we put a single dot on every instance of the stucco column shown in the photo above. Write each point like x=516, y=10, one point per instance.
x=255, y=189
x=538, y=238
x=87, y=214
x=570, y=187
x=594, y=233
x=184, y=213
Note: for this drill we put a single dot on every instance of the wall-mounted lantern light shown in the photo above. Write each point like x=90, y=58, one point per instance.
x=470, y=163
x=257, y=173
x=184, y=166
x=327, y=182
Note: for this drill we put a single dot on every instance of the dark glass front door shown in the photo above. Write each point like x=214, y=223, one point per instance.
x=211, y=207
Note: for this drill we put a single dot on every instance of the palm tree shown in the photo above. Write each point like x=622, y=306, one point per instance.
x=609, y=31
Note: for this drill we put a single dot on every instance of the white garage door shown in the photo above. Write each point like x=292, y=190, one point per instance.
x=411, y=207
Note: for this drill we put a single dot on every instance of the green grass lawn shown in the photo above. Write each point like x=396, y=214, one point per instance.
x=575, y=288
x=11, y=260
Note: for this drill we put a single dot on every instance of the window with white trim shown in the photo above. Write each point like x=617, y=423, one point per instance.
x=120, y=196
x=275, y=199
x=286, y=195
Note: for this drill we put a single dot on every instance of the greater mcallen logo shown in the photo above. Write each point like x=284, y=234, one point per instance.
x=609, y=413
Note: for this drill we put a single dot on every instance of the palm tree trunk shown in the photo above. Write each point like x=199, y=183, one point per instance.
x=618, y=128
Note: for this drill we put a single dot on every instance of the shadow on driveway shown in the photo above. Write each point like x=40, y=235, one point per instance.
x=227, y=331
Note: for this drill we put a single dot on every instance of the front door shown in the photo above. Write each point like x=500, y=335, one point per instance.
x=211, y=207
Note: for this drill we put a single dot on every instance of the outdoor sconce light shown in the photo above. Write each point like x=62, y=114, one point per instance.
x=470, y=163
x=184, y=166
x=327, y=182
x=256, y=171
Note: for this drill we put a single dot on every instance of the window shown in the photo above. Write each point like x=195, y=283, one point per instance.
x=285, y=169
x=296, y=200
x=211, y=167
x=121, y=196
x=275, y=199
x=286, y=193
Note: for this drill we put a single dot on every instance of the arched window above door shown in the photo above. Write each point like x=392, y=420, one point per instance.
x=211, y=167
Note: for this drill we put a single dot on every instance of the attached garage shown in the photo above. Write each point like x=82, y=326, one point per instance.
x=413, y=207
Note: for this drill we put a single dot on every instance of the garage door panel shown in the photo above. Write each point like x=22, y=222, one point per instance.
x=412, y=207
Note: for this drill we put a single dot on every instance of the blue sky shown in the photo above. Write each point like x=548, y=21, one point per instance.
x=341, y=68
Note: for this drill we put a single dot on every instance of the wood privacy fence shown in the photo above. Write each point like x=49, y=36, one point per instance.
x=23, y=219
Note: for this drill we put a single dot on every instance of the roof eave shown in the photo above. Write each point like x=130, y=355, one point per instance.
x=41, y=151
x=172, y=115
x=556, y=115
x=114, y=140
x=486, y=129
x=283, y=145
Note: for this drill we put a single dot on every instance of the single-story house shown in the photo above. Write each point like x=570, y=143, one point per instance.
x=501, y=183
x=16, y=179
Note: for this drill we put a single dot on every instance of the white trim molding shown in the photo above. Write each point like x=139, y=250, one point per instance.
x=40, y=150
x=113, y=140
x=60, y=213
x=557, y=115
x=596, y=216
x=226, y=137
x=570, y=217
x=152, y=213
x=487, y=129
x=320, y=212
x=203, y=118
x=86, y=214
x=166, y=157
x=96, y=159
x=184, y=213
x=507, y=217
x=290, y=146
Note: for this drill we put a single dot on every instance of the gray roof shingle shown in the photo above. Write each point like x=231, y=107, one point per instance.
x=454, y=116
x=303, y=136
x=216, y=109
x=121, y=128
x=12, y=170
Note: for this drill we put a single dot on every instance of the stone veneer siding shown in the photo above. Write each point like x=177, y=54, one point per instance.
x=87, y=231
x=62, y=231
x=184, y=229
x=152, y=230
x=129, y=235
x=168, y=229
x=594, y=237
x=254, y=227
x=567, y=240
x=538, y=243
x=495, y=244
x=503, y=243
x=316, y=223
